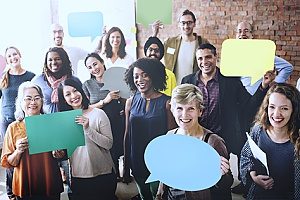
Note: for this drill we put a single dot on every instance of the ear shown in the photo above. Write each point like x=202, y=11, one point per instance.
x=200, y=111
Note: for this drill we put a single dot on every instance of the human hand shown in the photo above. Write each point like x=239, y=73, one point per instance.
x=264, y=181
x=225, y=166
x=58, y=153
x=268, y=78
x=155, y=27
x=22, y=144
x=111, y=95
x=84, y=121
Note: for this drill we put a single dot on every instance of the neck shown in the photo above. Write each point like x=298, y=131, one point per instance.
x=279, y=134
x=195, y=131
x=188, y=38
x=207, y=77
x=149, y=94
x=99, y=79
x=17, y=70
x=115, y=50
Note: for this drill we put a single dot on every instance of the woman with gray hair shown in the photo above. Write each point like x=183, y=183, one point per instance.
x=187, y=107
x=35, y=176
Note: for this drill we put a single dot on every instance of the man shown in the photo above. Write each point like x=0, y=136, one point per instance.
x=75, y=54
x=180, y=50
x=223, y=98
x=283, y=68
x=154, y=48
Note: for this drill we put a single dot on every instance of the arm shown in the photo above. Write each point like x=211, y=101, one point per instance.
x=126, y=161
x=155, y=27
x=110, y=96
x=283, y=68
x=170, y=118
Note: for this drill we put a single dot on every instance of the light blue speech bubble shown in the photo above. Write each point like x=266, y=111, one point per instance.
x=182, y=162
x=85, y=24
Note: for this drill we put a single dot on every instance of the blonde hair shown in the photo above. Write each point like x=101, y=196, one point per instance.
x=4, y=79
x=186, y=93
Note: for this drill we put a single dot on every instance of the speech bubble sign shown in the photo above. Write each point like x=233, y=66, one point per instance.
x=2, y=64
x=182, y=162
x=145, y=8
x=85, y=24
x=113, y=79
x=54, y=131
x=252, y=58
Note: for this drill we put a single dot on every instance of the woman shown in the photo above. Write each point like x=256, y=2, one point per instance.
x=147, y=116
x=110, y=102
x=57, y=68
x=276, y=129
x=187, y=107
x=35, y=176
x=115, y=54
x=93, y=174
x=10, y=82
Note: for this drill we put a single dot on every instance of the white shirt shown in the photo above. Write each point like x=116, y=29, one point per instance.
x=120, y=62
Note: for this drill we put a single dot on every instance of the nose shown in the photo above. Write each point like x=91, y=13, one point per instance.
x=277, y=112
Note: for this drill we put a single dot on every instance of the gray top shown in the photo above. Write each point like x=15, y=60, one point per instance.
x=92, y=89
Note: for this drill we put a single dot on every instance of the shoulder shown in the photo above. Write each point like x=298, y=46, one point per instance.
x=171, y=132
x=38, y=79
x=172, y=39
x=30, y=74
x=189, y=78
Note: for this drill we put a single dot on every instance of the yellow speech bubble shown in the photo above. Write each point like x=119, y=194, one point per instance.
x=251, y=58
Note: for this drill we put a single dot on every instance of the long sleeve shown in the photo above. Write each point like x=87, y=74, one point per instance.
x=284, y=69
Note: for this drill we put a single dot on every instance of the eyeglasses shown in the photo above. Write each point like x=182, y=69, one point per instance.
x=245, y=31
x=188, y=23
x=30, y=99
x=156, y=50
x=58, y=31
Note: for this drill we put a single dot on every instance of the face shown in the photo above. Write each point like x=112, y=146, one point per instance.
x=186, y=25
x=32, y=102
x=54, y=62
x=142, y=81
x=115, y=39
x=153, y=51
x=95, y=67
x=279, y=110
x=72, y=96
x=13, y=58
x=207, y=61
x=58, y=35
x=243, y=31
x=186, y=115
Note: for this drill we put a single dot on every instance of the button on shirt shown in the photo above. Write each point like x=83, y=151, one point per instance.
x=210, y=118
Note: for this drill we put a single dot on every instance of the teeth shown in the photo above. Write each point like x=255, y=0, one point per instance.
x=185, y=120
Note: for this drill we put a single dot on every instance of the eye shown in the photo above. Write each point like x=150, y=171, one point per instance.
x=179, y=108
x=191, y=109
x=271, y=107
x=285, y=108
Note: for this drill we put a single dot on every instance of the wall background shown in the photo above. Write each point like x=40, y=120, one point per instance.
x=277, y=20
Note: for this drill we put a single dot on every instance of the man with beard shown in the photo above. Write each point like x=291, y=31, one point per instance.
x=154, y=48
x=75, y=53
x=180, y=50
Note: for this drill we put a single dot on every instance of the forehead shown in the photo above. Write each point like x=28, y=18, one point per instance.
x=53, y=54
x=186, y=18
x=57, y=28
x=154, y=46
x=137, y=70
x=68, y=88
x=244, y=25
x=11, y=51
x=279, y=99
x=30, y=92
x=116, y=33
x=204, y=52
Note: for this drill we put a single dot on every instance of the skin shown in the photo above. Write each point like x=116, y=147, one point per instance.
x=13, y=59
x=143, y=82
x=153, y=51
x=186, y=30
x=207, y=63
x=54, y=62
x=243, y=31
x=58, y=35
x=115, y=39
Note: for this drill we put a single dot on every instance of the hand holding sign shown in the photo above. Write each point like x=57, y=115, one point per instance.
x=247, y=58
x=182, y=162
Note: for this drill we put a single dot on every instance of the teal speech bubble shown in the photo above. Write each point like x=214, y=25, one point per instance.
x=85, y=24
x=182, y=162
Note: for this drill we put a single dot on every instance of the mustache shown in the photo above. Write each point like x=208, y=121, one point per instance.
x=153, y=55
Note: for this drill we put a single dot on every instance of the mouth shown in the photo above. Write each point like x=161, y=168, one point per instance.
x=141, y=85
x=76, y=100
x=277, y=120
x=185, y=120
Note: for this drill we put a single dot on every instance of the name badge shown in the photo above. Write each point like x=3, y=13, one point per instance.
x=170, y=50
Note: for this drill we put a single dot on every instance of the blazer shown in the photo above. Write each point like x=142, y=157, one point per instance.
x=235, y=103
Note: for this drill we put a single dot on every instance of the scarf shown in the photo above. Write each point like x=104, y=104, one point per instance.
x=54, y=83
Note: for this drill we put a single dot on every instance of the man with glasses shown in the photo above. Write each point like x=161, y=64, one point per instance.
x=154, y=48
x=180, y=50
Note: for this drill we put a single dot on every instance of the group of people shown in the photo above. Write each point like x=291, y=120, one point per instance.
x=216, y=109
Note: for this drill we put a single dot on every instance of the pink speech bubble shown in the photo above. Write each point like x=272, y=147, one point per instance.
x=2, y=64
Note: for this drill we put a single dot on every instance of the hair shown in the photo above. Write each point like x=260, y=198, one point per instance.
x=19, y=113
x=98, y=57
x=208, y=46
x=62, y=104
x=250, y=25
x=291, y=93
x=187, y=12
x=155, y=70
x=99, y=46
x=185, y=94
x=108, y=47
x=5, y=77
x=66, y=68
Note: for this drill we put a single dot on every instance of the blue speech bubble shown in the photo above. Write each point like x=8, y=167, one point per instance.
x=182, y=162
x=85, y=24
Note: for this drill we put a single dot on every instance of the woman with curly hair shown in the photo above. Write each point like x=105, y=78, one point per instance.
x=276, y=132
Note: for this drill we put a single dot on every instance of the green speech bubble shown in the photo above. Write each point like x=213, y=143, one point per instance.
x=251, y=58
x=54, y=131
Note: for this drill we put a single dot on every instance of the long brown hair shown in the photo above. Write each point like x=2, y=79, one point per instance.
x=293, y=95
x=5, y=77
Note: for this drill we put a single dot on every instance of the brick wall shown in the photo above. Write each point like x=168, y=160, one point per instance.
x=277, y=20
